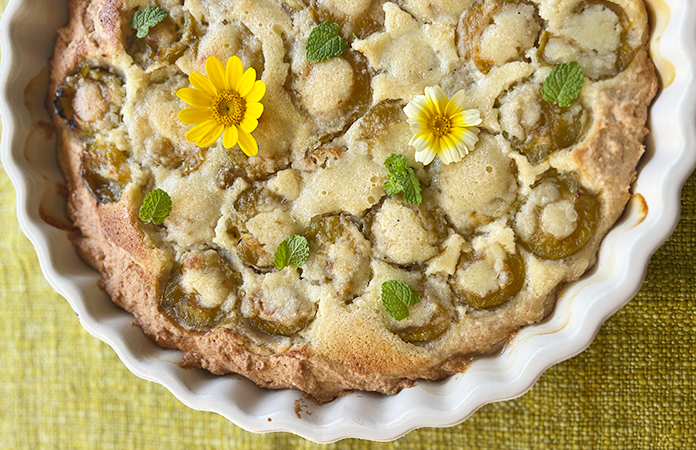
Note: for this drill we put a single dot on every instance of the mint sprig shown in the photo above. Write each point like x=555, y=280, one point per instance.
x=293, y=251
x=146, y=18
x=563, y=85
x=402, y=178
x=156, y=207
x=396, y=297
x=325, y=42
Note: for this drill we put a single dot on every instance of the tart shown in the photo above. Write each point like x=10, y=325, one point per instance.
x=504, y=218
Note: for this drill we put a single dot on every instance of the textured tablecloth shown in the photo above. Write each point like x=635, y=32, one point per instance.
x=635, y=387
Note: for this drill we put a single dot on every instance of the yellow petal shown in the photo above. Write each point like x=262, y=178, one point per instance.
x=249, y=124
x=419, y=142
x=448, y=151
x=233, y=72
x=426, y=156
x=230, y=136
x=470, y=137
x=203, y=83
x=257, y=92
x=192, y=116
x=247, y=143
x=216, y=73
x=457, y=120
x=437, y=98
x=211, y=136
x=456, y=133
x=418, y=126
x=457, y=104
x=194, y=97
x=435, y=144
x=200, y=130
x=461, y=146
x=417, y=108
x=254, y=110
x=472, y=117
x=246, y=82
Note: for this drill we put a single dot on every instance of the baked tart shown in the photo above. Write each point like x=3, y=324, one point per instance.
x=337, y=195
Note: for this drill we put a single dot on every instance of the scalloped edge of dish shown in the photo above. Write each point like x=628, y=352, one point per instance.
x=28, y=158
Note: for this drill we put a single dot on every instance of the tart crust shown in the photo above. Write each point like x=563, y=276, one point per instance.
x=321, y=156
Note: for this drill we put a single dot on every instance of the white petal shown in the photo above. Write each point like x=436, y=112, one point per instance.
x=468, y=118
x=426, y=156
x=470, y=137
x=419, y=142
x=457, y=104
x=461, y=147
x=416, y=107
x=417, y=126
x=438, y=97
x=448, y=151
x=471, y=117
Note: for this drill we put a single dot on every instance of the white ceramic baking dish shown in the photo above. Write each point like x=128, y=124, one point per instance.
x=28, y=34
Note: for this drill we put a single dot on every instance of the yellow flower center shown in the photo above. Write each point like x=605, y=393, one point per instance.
x=440, y=125
x=228, y=108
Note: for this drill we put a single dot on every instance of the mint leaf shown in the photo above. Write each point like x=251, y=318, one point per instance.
x=156, y=207
x=146, y=18
x=392, y=185
x=325, y=42
x=402, y=178
x=412, y=189
x=394, y=307
x=396, y=297
x=563, y=85
x=396, y=162
x=293, y=251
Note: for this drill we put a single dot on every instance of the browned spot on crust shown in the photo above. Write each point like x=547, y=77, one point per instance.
x=458, y=364
x=110, y=19
x=117, y=223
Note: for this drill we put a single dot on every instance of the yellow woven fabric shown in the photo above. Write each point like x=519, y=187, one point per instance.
x=633, y=388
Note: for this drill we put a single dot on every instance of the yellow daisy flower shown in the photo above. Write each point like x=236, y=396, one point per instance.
x=225, y=102
x=442, y=127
